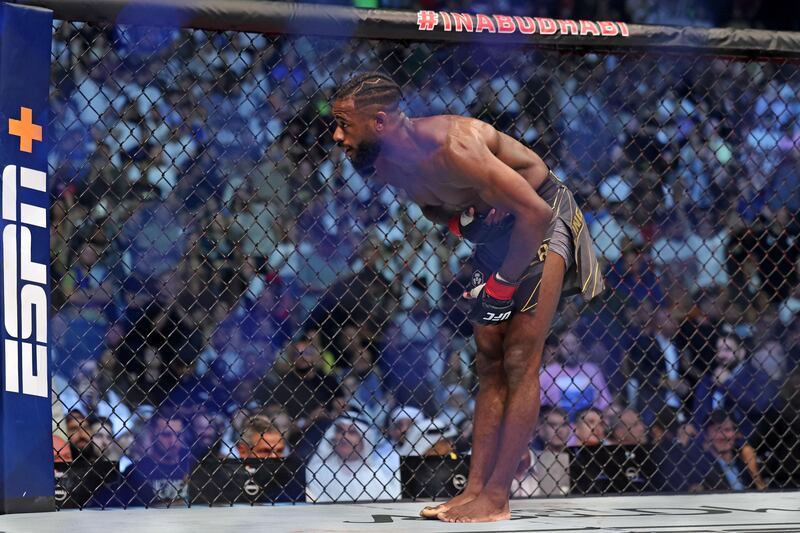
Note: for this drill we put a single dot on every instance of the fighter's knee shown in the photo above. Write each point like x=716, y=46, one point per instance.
x=522, y=361
x=489, y=366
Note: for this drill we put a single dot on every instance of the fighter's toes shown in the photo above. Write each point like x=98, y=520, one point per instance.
x=478, y=510
x=431, y=512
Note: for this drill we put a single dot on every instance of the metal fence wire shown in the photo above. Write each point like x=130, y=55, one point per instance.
x=238, y=316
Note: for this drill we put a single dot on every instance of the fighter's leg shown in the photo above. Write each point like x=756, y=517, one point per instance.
x=489, y=405
x=523, y=345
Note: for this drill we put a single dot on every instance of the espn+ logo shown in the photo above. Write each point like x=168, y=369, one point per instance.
x=24, y=283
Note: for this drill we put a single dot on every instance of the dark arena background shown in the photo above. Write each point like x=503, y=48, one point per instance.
x=237, y=326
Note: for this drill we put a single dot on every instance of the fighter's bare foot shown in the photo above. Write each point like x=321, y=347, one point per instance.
x=481, y=509
x=433, y=511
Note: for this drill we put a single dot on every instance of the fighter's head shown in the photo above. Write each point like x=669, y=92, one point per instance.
x=366, y=108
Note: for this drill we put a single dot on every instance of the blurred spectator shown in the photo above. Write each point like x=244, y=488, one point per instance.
x=205, y=435
x=628, y=429
x=237, y=417
x=572, y=383
x=732, y=464
x=771, y=358
x=61, y=450
x=458, y=405
x=677, y=453
x=664, y=426
x=314, y=336
x=549, y=463
x=653, y=366
x=463, y=440
x=304, y=440
x=696, y=338
x=414, y=349
x=155, y=236
x=400, y=421
x=79, y=433
x=345, y=468
x=160, y=476
x=366, y=298
x=791, y=342
x=268, y=305
x=707, y=242
x=261, y=440
x=96, y=464
x=363, y=381
x=734, y=385
x=771, y=244
x=778, y=430
x=190, y=391
x=611, y=227
x=90, y=393
x=304, y=391
x=428, y=437
x=612, y=412
x=80, y=326
x=633, y=279
x=590, y=429
x=523, y=485
x=103, y=443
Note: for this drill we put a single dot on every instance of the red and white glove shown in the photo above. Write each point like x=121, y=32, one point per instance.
x=494, y=301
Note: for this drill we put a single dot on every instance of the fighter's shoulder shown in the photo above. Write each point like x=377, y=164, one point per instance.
x=444, y=130
x=464, y=145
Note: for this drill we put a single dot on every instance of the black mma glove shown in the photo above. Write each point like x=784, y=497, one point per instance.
x=478, y=228
x=494, y=301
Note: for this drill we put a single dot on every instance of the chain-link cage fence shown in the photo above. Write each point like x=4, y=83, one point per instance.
x=238, y=316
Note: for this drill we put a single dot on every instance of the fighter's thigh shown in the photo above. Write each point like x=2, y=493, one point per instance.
x=529, y=327
x=489, y=342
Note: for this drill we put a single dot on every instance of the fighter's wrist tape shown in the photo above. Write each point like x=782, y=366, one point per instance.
x=453, y=225
x=499, y=288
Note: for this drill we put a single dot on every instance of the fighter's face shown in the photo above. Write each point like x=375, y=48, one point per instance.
x=356, y=134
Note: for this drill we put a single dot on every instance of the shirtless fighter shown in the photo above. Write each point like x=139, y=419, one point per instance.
x=532, y=246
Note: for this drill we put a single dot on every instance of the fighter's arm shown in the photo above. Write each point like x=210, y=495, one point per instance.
x=506, y=190
x=436, y=214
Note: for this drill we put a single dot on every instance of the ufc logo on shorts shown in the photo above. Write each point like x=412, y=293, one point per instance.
x=493, y=317
x=24, y=283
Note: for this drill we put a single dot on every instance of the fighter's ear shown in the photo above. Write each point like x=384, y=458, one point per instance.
x=380, y=121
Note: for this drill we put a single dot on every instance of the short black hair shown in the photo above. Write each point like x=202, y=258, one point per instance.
x=371, y=88
x=548, y=410
x=666, y=419
x=718, y=417
x=580, y=414
x=741, y=342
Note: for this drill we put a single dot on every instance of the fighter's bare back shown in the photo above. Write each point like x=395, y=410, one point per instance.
x=430, y=174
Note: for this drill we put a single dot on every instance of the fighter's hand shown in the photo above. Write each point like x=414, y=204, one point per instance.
x=478, y=228
x=494, y=301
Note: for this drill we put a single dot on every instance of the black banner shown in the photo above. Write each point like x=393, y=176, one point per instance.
x=334, y=21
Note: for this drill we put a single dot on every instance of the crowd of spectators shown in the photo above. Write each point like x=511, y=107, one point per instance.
x=225, y=285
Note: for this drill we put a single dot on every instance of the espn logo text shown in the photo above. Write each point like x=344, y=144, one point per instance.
x=24, y=283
